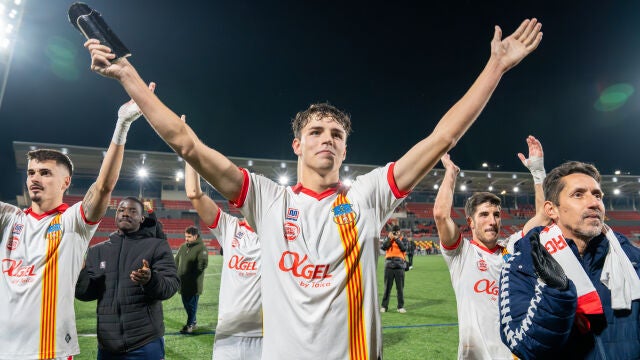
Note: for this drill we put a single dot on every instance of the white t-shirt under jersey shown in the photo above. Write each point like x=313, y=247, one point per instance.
x=37, y=285
x=319, y=254
x=240, y=302
x=475, y=273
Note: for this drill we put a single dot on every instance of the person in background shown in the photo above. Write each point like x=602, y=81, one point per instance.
x=130, y=274
x=395, y=246
x=191, y=260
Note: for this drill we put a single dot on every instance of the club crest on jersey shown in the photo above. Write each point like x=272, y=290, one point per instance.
x=291, y=231
x=103, y=265
x=343, y=214
x=292, y=214
x=482, y=265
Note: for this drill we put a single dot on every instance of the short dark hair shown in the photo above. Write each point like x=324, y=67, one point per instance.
x=50, y=154
x=324, y=110
x=479, y=198
x=554, y=183
x=192, y=230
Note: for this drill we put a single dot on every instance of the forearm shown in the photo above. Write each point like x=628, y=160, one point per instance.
x=412, y=167
x=540, y=218
x=447, y=229
x=96, y=200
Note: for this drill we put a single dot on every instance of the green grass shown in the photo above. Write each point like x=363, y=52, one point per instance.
x=426, y=331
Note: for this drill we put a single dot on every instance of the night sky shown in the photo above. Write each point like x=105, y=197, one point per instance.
x=241, y=70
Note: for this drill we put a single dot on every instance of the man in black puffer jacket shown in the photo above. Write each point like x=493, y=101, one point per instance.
x=130, y=274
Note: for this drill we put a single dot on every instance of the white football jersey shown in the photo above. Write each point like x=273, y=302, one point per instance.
x=41, y=256
x=240, y=301
x=319, y=254
x=475, y=276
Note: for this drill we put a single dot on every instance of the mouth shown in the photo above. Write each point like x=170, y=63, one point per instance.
x=325, y=152
x=35, y=188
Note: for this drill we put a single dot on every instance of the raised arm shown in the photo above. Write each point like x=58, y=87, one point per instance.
x=505, y=54
x=448, y=231
x=535, y=164
x=212, y=165
x=204, y=205
x=96, y=200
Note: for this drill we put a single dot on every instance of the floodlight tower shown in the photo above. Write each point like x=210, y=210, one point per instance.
x=11, y=12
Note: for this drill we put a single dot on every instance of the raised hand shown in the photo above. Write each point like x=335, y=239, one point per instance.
x=130, y=111
x=511, y=50
x=535, y=161
x=449, y=166
x=101, y=60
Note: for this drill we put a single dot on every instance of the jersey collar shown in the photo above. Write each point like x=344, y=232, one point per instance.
x=481, y=246
x=299, y=188
x=60, y=209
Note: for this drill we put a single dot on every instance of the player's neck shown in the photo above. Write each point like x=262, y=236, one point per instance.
x=317, y=182
x=45, y=206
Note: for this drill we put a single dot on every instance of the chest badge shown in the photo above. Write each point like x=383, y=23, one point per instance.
x=343, y=214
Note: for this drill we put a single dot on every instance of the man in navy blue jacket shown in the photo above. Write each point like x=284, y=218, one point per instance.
x=542, y=314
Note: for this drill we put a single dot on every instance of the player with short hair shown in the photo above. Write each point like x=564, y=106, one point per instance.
x=475, y=264
x=320, y=238
x=42, y=249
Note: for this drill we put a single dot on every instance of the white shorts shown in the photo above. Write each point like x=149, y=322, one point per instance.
x=227, y=347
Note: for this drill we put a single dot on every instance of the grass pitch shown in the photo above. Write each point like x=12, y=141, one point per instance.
x=427, y=331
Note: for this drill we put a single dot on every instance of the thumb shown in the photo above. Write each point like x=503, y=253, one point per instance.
x=523, y=159
x=145, y=264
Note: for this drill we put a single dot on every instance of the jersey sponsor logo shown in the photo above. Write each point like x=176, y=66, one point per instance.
x=17, y=229
x=292, y=214
x=15, y=269
x=341, y=214
x=239, y=263
x=291, y=231
x=103, y=265
x=482, y=265
x=486, y=286
x=301, y=268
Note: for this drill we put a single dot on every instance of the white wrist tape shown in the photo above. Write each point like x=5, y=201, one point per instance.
x=127, y=114
x=535, y=164
x=120, y=133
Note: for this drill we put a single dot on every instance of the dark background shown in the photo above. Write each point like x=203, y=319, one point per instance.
x=240, y=70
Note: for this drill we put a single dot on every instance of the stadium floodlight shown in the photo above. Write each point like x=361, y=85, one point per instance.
x=283, y=165
x=461, y=174
x=347, y=182
x=283, y=180
x=485, y=165
x=490, y=188
x=614, y=179
x=142, y=172
x=616, y=191
x=514, y=176
x=436, y=186
x=179, y=175
x=516, y=189
x=463, y=187
x=346, y=168
x=617, y=172
x=10, y=18
x=250, y=163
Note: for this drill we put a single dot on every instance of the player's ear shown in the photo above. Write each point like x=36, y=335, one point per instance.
x=296, y=145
